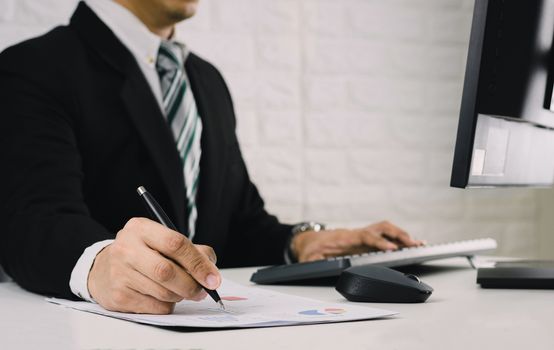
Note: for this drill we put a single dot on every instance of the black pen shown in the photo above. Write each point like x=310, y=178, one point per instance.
x=159, y=214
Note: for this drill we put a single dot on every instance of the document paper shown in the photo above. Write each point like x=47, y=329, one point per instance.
x=246, y=307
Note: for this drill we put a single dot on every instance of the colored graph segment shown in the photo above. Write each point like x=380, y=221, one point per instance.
x=233, y=298
x=311, y=313
x=327, y=311
x=335, y=311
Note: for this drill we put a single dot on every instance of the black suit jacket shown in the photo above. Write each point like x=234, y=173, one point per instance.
x=81, y=130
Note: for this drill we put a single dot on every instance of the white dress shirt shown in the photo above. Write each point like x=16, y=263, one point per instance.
x=144, y=46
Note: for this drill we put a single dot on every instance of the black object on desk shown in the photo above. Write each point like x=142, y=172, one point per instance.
x=525, y=274
x=379, y=284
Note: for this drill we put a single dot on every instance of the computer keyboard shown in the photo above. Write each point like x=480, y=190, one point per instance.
x=332, y=267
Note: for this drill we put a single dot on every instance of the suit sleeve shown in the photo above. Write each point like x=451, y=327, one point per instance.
x=257, y=237
x=46, y=224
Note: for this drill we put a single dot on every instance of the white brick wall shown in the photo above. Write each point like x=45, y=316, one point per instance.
x=347, y=109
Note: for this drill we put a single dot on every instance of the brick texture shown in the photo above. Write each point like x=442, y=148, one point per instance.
x=347, y=110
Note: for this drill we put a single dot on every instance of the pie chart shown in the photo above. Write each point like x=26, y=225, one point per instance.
x=334, y=310
x=233, y=298
x=326, y=311
x=313, y=312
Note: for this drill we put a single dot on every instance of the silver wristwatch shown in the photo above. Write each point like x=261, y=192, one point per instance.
x=296, y=229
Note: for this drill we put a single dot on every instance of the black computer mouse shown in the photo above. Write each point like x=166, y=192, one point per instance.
x=370, y=283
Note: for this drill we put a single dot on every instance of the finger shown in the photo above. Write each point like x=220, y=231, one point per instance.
x=377, y=241
x=144, y=285
x=351, y=251
x=328, y=252
x=201, y=296
x=311, y=257
x=396, y=234
x=208, y=251
x=165, y=272
x=177, y=247
x=129, y=300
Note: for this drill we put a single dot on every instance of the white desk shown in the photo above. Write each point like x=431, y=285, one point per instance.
x=459, y=315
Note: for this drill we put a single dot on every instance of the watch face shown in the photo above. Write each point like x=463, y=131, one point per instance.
x=308, y=226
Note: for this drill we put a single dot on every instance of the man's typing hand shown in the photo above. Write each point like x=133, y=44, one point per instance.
x=149, y=268
x=309, y=246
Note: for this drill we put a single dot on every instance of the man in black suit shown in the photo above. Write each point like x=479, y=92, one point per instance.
x=91, y=111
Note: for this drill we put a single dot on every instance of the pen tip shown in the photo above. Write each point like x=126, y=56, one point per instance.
x=221, y=306
x=141, y=190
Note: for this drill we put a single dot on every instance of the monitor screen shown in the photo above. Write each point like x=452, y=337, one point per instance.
x=506, y=126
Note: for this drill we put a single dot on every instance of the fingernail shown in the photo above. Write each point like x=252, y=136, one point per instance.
x=212, y=281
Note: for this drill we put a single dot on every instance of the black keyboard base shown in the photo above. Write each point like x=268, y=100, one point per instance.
x=323, y=271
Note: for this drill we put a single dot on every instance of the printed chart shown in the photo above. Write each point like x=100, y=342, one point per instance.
x=245, y=307
x=326, y=311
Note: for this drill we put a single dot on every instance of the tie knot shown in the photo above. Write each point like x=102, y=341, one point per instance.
x=170, y=58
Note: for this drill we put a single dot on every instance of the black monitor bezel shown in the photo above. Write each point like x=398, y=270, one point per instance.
x=468, y=109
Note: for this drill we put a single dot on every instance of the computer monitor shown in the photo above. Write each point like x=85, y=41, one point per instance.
x=506, y=126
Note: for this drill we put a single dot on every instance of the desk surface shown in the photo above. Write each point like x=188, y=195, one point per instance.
x=459, y=315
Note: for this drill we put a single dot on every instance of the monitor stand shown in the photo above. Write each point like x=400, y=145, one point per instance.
x=521, y=274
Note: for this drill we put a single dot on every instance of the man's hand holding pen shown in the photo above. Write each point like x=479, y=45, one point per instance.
x=149, y=268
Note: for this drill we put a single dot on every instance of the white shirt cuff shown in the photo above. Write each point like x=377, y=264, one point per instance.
x=79, y=276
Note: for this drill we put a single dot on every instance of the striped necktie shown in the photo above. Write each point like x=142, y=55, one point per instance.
x=183, y=119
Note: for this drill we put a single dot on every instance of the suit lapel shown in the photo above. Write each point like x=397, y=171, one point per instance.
x=212, y=159
x=141, y=106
